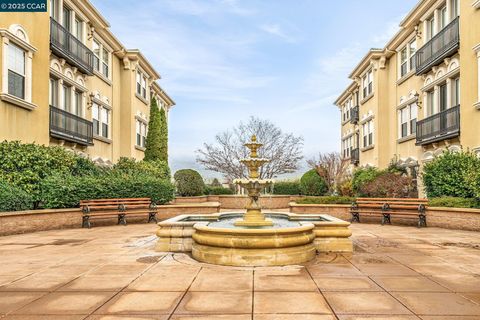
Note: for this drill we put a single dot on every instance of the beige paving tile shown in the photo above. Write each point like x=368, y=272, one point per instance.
x=439, y=269
x=216, y=280
x=365, y=303
x=459, y=283
x=66, y=303
x=118, y=270
x=11, y=301
x=284, y=280
x=450, y=317
x=377, y=317
x=128, y=317
x=334, y=270
x=239, y=302
x=370, y=258
x=5, y=280
x=142, y=303
x=97, y=283
x=37, y=282
x=212, y=317
x=290, y=302
x=169, y=279
x=346, y=283
x=386, y=269
x=46, y=317
x=408, y=283
x=475, y=297
x=297, y=316
x=433, y=303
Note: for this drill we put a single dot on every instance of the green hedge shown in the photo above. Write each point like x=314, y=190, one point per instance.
x=66, y=191
x=453, y=174
x=189, y=183
x=158, y=169
x=363, y=176
x=287, y=188
x=326, y=200
x=311, y=184
x=453, y=202
x=13, y=198
x=217, y=190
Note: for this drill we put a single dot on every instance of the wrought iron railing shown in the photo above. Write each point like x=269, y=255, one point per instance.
x=355, y=156
x=441, y=46
x=65, y=45
x=68, y=126
x=354, y=114
x=440, y=126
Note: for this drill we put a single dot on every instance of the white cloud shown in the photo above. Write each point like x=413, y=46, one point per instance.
x=276, y=30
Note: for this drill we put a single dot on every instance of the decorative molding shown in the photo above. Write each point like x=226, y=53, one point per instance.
x=18, y=41
x=407, y=138
x=17, y=101
x=103, y=139
x=370, y=147
x=476, y=4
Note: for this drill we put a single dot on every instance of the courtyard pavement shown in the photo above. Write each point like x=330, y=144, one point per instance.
x=112, y=272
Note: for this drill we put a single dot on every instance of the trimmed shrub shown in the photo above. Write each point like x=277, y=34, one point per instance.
x=389, y=185
x=13, y=198
x=158, y=169
x=453, y=174
x=189, y=183
x=326, y=200
x=452, y=202
x=163, y=136
x=345, y=189
x=217, y=190
x=362, y=176
x=287, y=188
x=65, y=191
x=152, y=142
x=311, y=184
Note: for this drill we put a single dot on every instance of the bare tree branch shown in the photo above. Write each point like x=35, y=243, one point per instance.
x=332, y=167
x=283, y=149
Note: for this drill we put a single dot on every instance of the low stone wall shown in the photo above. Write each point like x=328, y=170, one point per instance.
x=239, y=201
x=39, y=220
x=51, y=219
x=448, y=218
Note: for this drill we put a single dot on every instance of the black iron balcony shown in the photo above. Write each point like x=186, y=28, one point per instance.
x=440, y=126
x=355, y=156
x=65, y=45
x=70, y=127
x=441, y=46
x=354, y=115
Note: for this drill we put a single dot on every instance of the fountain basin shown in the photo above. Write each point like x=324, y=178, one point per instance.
x=253, y=246
x=178, y=234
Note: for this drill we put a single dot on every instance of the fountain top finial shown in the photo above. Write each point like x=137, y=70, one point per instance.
x=254, y=138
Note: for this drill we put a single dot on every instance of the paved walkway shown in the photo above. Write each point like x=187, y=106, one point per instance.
x=113, y=273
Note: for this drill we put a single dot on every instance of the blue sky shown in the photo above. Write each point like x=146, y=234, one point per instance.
x=282, y=60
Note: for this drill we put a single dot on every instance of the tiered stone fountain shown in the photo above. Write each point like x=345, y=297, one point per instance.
x=253, y=238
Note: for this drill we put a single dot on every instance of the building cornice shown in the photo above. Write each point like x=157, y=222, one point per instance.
x=365, y=62
x=158, y=90
x=348, y=91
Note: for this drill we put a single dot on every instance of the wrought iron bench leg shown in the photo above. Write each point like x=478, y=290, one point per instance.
x=386, y=218
x=152, y=216
x=355, y=217
x=86, y=222
x=422, y=220
x=121, y=219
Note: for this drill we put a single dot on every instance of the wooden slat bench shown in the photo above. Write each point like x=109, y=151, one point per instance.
x=409, y=208
x=119, y=208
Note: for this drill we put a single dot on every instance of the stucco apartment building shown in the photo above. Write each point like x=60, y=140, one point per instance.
x=67, y=80
x=420, y=94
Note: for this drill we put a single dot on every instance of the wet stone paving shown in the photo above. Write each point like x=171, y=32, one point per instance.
x=112, y=272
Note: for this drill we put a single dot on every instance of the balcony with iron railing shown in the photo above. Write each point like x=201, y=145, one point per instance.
x=355, y=156
x=438, y=127
x=441, y=46
x=65, y=45
x=70, y=127
x=354, y=115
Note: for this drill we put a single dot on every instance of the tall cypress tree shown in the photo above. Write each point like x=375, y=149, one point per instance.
x=153, y=150
x=163, y=136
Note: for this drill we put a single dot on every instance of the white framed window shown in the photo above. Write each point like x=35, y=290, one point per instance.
x=347, y=147
x=407, y=57
x=430, y=28
x=16, y=71
x=443, y=17
x=455, y=92
x=141, y=81
x=53, y=89
x=408, y=120
x=367, y=131
x=454, y=8
x=101, y=120
x=367, y=84
x=102, y=58
x=78, y=29
x=141, y=129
